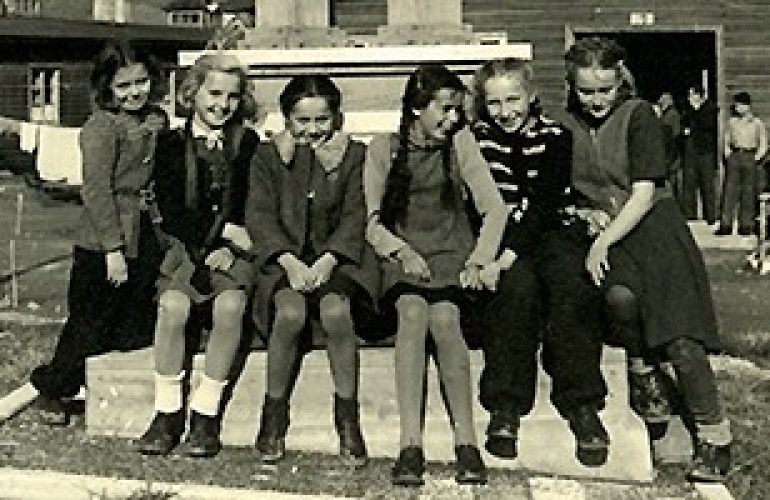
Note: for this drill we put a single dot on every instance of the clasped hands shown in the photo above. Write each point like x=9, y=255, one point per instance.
x=304, y=278
x=474, y=276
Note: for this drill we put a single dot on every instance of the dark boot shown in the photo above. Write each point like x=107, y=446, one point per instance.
x=409, y=467
x=348, y=425
x=502, y=433
x=710, y=463
x=650, y=395
x=272, y=429
x=470, y=467
x=203, y=440
x=163, y=434
x=590, y=435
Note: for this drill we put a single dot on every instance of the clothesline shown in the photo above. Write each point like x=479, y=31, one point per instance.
x=58, y=150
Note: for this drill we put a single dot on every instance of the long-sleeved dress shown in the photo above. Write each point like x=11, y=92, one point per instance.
x=440, y=233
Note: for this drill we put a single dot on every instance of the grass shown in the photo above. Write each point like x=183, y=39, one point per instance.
x=740, y=299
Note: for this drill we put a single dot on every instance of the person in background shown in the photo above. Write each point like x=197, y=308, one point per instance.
x=543, y=293
x=306, y=212
x=745, y=147
x=644, y=258
x=699, y=127
x=116, y=255
x=201, y=182
x=672, y=126
x=414, y=184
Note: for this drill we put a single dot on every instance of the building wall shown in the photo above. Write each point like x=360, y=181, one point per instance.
x=146, y=11
x=67, y=9
x=745, y=58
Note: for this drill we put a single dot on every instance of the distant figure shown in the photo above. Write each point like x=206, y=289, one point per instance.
x=745, y=146
x=672, y=125
x=699, y=126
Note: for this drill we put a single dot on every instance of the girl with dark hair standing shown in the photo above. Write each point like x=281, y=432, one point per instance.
x=644, y=258
x=414, y=184
x=306, y=213
x=116, y=256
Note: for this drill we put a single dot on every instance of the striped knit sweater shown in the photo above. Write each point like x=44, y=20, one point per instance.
x=532, y=170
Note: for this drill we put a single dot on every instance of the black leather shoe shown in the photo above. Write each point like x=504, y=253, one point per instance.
x=163, y=434
x=590, y=435
x=470, y=467
x=203, y=440
x=711, y=463
x=409, y=467
x=502, y=433
x=272, y=430
x=347, y=423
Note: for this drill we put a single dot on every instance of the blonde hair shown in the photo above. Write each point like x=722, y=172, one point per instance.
x=224, y=63
x=509, y=66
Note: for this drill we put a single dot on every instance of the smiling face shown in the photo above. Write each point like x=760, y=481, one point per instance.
x=310, y=121
x=443, y=114
x=131, y=87
x=507, y=101
x=597, y=90
x=217, y=99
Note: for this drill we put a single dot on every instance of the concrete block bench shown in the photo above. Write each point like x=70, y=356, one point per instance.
x=120, y=403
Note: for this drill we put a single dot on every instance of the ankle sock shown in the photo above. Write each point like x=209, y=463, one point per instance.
x=168, y=392
x=207, y=396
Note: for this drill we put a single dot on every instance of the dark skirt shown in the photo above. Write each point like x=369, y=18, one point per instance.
x=660, y=262
x=178, y=272
x=361, y=307
x=465, y=300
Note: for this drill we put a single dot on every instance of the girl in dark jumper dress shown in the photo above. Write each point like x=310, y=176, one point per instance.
x=644, y=257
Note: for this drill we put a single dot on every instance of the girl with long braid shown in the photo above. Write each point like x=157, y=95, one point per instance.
x=414, y=186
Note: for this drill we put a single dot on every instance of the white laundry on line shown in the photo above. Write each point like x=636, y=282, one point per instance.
x=58, y=155
x=28, y=133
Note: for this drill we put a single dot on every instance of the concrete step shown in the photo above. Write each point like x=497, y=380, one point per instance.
x=120, y=403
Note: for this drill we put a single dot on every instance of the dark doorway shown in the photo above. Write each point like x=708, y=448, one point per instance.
x=668, y=61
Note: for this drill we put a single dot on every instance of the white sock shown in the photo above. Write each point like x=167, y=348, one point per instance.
x=17, y=400
x=168, y=392
x=206, y=397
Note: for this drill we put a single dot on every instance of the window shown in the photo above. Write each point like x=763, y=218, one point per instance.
x=25, y=7
x=44, y=94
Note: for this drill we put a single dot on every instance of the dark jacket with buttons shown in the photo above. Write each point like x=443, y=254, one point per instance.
x=305, y=210
x=220, y=183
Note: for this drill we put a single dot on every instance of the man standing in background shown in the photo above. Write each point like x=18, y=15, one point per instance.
x=672, y=123
x=745, y=146
x=699, y=126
